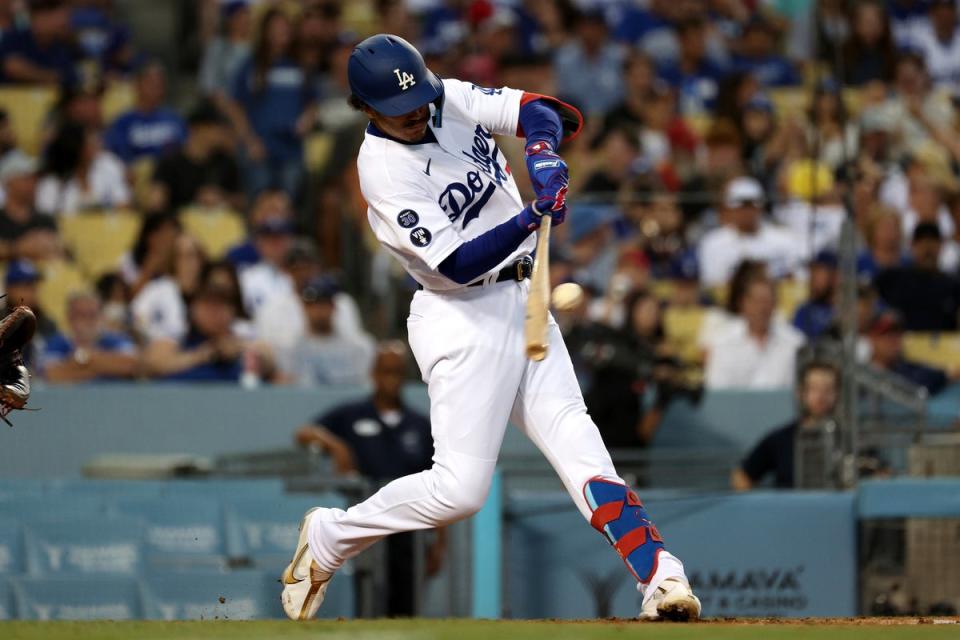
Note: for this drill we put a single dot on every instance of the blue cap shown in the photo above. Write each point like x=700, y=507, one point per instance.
x=826, y=258
x=22, y=272
x=389, y=74
x=319, y=288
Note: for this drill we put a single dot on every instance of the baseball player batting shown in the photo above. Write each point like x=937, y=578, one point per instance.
x=442, y=199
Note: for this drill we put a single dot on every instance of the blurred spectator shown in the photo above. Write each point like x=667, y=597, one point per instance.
x=760, y=351
x=745, y=235
x=210, y=351
x=273, y=108
x=938, y=40
x=223, y=275
x=886, y=353
x=812, y=210
x=81, y=104
x=758, y=56
x=113, y=295
x=24, y=233
x=927, y=299
x=721, y=319
x=925, y=203
x=149, y=129
x=621, y=365
x=318, y=34
x=151, y=253
x=695, y=77
x=159, y=309
x=272, y=239
x=21, y=289
x=87, y=352
x=101, y=37
x=764, y=143
x=639, y=76
x=382, y=438
x=79, y=175
x=592, y=251
x=827, y=131
x=40, y=52
x=618, y=154
x=869, y=54
x=906, y=16
x=817, y=395
x=588, y=69
x=884, y=237
x=815, y=316
x=919, y=114
x=832, y=22
x=323, y=356
x=269, y=204
x=667, y=142
x=202, y=172
x=720, y=162
x=227, y=51
x=282, y=321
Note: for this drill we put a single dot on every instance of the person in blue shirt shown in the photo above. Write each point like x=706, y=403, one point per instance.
x=88, y=353
x=40, y=53
x=101, y=36
x=695, y=77
x=759, y=57
x=273, y=107
x=381, y=438
x=816, y=316
x=149, y=129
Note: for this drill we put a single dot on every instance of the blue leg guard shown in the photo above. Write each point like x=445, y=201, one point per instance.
x=619, y=515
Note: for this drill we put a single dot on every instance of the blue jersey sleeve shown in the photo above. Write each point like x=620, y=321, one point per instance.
x=475, y=257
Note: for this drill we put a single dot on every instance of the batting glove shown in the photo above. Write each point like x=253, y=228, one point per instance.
x=531, y=215
x=548, y=172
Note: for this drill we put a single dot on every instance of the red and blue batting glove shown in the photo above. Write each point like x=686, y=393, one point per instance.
x=529, y=218
x=548, y=172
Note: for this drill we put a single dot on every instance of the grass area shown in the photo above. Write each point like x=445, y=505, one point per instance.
x=470, y=630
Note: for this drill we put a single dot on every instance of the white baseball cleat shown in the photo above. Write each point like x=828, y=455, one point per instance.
x=304, y=584
x=672, y=600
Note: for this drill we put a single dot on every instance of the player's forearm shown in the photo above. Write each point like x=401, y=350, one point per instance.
x=475, y=257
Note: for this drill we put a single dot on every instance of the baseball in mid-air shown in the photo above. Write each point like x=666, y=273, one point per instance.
x=567, y=296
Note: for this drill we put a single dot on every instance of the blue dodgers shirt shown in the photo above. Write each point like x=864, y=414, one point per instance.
x=60, y=347
x=136, y=134
x=58, y=56
x=382, y=450
x=274, y=109
x=217, y=371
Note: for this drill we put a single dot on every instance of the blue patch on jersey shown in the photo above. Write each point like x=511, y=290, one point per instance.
x=408, y=218
x=420, y=237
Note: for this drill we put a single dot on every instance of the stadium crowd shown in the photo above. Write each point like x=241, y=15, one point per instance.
x=726, y=143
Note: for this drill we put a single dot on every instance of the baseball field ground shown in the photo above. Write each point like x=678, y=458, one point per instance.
x=848, y=629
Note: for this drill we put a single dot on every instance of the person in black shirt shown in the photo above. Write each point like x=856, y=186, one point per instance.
x=773, y=455
x=381, y=439
x=201, y=172
x=886, y=353
x=24, y=233
x=927, y=298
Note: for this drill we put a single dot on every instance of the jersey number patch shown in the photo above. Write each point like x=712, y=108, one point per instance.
x=405, y=79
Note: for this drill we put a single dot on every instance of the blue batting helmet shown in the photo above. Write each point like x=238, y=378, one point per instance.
x=388, y=73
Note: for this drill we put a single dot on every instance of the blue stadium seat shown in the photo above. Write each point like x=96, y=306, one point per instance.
x=180, y=530
x=11, y=547
x=7, y=609
x=210, y=595
x=77, y=598
x=84, y=545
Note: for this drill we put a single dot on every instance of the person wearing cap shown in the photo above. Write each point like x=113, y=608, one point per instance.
x=817, y=394
x=86, y=352
x=281, y=322
x=323, y=356
x=886, y=353
x=745, y=235
x=938, y=39
x=24, y=232
x=225, y=54
x=587, y=68
x=815, y=316
x=271, y=203
x=21, y=289
x=40, y=53
x=381, y=438
x=759, y=57
x=202, y=172
x=272, y=238
x=149, y=129
x=272, y=107
x=927, y=298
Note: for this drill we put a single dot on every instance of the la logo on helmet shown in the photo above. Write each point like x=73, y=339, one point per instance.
x=405, y=80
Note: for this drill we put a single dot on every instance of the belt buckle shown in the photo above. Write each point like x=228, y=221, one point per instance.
x=524, y=268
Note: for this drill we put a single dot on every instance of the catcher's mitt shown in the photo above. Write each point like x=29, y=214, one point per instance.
x=16, y=330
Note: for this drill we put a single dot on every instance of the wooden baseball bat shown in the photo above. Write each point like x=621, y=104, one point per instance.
x=538, y=303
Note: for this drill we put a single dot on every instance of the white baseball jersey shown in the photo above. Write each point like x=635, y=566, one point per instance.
x=425, y=200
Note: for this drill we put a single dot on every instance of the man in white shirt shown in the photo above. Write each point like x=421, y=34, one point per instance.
x=744, y=235
x=258, y=282
x=759, y=351
x=938, y=39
